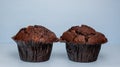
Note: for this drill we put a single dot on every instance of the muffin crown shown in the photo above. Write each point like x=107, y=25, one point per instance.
x=83, y=35
x=36, y=33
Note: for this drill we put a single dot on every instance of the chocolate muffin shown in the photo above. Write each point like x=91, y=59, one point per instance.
x=35, y=43
x=83, y=43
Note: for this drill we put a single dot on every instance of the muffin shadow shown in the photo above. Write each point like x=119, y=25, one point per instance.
x=62, y=55
x=14, y=55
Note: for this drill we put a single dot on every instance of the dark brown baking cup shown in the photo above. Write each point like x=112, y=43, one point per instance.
x=34, y=52
x=83, y=52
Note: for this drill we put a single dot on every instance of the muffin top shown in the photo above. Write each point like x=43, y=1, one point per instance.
x=83, y=35
x=35, y=33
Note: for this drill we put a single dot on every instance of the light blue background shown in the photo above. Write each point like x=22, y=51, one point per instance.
x=58, y=16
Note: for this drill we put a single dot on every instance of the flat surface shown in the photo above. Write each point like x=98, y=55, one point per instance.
x=109, y=56
x=58, y=16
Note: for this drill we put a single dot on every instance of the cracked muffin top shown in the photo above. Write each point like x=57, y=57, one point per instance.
x=83, y=35
x=35, y=33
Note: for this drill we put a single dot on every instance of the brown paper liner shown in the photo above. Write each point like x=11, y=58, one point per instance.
x=82, y=52
x=34, y=52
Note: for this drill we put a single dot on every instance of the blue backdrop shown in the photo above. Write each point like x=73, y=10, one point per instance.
x=59, y=15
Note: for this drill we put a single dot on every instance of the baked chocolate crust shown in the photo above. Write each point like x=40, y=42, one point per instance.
x=36, y=33
x=83, y=35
